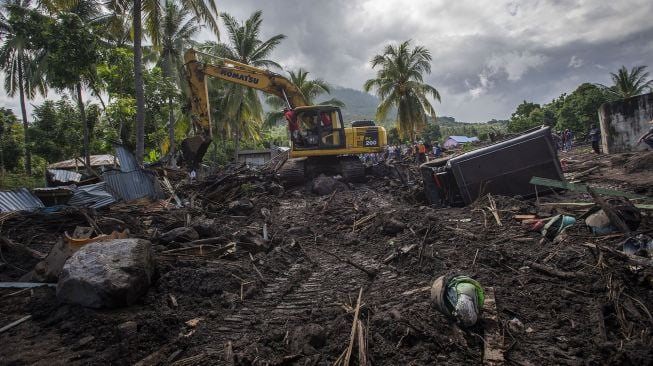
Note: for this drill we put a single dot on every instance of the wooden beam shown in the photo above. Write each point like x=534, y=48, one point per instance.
x=493, y=349
x=552, y=183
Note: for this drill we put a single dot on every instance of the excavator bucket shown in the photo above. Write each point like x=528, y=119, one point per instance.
x=193, y=150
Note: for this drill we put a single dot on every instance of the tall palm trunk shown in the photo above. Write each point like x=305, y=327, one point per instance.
x=138, y=80
x=171, y=117
x=82, y=115
x=21, y=90
x=237, y=143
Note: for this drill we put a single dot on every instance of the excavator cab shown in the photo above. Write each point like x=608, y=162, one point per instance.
x=320, y=127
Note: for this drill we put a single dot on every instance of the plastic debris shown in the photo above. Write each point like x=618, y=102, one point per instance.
x=460, y=298
x=556, y=225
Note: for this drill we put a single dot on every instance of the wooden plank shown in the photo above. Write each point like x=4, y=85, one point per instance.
x=25, y=284
x=582, y=188
x=493, y=349
x=11, y=325
x=580, y=205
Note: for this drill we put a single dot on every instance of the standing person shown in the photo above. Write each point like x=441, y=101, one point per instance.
x=398, y=152
x=647, y=138
x=293, y=126
x=595, y=137
x=563, y=136
x=421, y=152
x=569, y=137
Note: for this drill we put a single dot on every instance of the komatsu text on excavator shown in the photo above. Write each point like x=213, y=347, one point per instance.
x=320, y=142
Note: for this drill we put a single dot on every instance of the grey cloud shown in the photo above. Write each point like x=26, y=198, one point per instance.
x=487, y=57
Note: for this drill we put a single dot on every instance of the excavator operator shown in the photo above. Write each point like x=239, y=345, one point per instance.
x=293, y=126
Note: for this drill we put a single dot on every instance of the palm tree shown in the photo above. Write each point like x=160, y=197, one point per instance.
x=399, y=83
x=311, y=89
x=628, y=84
x=16, y=60
x=176, y=29
x=243, y=104
x=152, y=10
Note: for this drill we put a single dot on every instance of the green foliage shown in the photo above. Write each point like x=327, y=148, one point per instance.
x=56, y=131
x=19, y=180
x=450, y=127
x=71, y=50
x=116, y=71
x=579, y=110
x=393, y=136
x=527, y=115
x=431, y=133
x=11, y=140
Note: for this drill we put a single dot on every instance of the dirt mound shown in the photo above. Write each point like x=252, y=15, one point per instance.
x=279, y=285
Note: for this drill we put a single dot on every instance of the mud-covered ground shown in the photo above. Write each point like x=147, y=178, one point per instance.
x=289, y=301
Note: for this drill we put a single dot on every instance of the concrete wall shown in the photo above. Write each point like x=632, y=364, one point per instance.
x=624, y=121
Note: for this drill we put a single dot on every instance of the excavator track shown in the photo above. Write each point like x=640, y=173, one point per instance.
x=292, y=173
x=352, y=169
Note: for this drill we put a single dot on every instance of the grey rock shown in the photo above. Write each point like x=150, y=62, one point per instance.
x=323, y=185
x=241, y=207
x=107, y=274
x=180, y=235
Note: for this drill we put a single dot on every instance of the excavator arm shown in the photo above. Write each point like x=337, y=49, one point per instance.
x=195, y=147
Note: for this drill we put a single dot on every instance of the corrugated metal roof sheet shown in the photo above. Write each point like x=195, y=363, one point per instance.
x=64, y=176
x=128, y=162
x=133, y=185
x=92, y=195
x=19, y=200
x=96, y=160
x=461, y=139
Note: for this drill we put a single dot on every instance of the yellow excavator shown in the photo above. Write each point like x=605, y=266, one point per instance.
x=320, y=142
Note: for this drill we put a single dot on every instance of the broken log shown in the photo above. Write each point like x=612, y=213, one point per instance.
x=21, y=248
x=609, y=211
x=555, y=272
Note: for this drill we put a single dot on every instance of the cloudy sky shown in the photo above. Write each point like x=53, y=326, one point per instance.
x=488, y=56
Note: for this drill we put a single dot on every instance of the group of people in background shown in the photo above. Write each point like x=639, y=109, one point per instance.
x=419, y=152
x=564, y=139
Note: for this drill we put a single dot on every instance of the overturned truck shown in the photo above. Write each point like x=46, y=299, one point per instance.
x=504, y=168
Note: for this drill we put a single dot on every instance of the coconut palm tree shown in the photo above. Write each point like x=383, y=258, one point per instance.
x=629, y=83
x=152, y=10
x=311, y=89
x=17, y=62
x=244, y=46
x=400, y=83
x=176, y=29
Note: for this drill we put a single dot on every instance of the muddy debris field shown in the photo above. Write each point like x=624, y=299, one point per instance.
x=250, y=273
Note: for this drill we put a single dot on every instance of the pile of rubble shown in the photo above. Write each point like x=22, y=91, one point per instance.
x=236, y=269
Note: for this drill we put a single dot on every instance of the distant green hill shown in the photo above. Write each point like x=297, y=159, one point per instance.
x=361, y=105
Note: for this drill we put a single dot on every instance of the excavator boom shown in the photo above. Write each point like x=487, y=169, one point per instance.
x=266, y=81
x=320, y=142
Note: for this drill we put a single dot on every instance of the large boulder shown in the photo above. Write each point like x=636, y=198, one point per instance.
x=324, y=185
x=107, y=274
